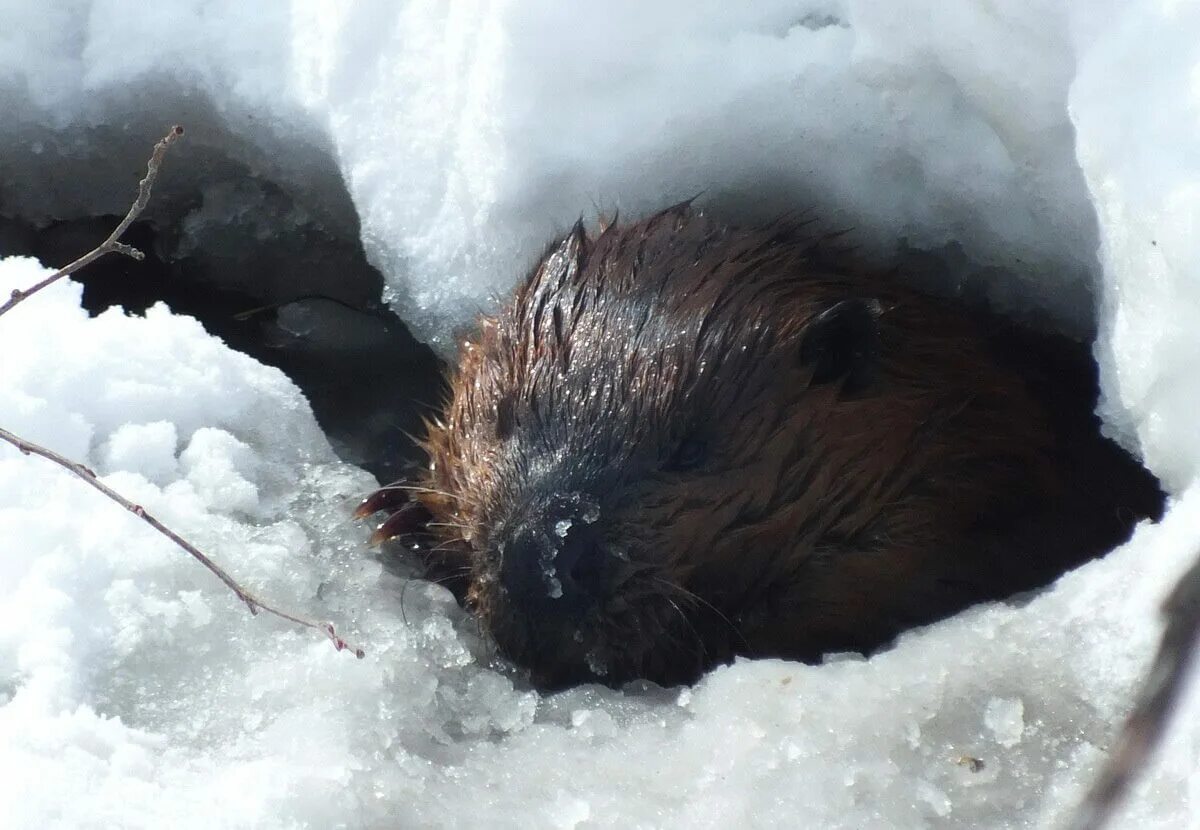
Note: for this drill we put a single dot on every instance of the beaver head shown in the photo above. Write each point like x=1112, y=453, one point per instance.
x=682, y=441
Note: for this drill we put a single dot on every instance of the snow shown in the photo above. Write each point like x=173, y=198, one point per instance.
x=1042, y=153
x=544, y=110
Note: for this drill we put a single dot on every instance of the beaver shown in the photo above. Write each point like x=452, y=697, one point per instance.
x=683, y=441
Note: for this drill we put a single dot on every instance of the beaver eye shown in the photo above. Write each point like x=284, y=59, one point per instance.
x=690, y=454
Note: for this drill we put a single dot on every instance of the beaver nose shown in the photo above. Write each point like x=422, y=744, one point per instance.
x=554, y=566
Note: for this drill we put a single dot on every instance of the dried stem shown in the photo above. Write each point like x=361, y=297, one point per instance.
x=113, y=245
x=110, y=245
x=1155, y=703
x=252, y=602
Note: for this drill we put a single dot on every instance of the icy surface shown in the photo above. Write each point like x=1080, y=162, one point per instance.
x=1046, y=148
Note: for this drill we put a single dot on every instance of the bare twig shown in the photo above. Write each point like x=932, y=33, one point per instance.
x=110, y=245
x=1156, y=701
x=113, y=245
x=252, y=602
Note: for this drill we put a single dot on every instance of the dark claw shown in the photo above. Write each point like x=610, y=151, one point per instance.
x=408, y=519
x=385, y=498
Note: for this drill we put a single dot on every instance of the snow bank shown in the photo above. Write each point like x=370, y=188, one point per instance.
x=469, y=132
x=134, y=691
x=531, y=113
x=1137, y=107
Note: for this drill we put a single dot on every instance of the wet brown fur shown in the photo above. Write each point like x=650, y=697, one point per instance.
x=964, y=465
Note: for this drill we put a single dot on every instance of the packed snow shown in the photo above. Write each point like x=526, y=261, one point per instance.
x=1044, y=154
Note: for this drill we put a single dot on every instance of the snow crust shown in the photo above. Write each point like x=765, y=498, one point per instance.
x=1041, y=153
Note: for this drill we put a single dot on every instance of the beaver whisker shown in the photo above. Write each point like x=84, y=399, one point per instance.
x=417, y=488
x=458, y=574
x=699, y=600
x=691, y=627
x=449, y=544
x=394, y=497
x=459, y=525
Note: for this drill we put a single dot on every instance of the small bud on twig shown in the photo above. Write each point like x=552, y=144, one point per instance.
x=112, y=243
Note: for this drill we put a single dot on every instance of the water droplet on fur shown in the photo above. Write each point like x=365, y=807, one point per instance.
x=562, y=528
x=596, y=663
x=546, y=557
x=589, y=511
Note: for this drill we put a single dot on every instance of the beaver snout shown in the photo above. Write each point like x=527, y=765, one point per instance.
x=553, y=564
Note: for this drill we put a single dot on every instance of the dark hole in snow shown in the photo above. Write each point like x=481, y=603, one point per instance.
x=279, y=287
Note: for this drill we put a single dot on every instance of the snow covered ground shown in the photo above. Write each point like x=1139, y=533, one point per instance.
x=1046, y=154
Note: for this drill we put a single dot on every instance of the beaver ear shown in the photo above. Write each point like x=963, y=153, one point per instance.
x=842, y=344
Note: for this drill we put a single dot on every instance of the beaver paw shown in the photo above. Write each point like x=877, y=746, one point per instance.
x=405, y=516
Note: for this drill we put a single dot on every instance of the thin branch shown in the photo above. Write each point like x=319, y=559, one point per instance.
x=252, y=601
x=113, y=245
x=110, y=245
x=1155, y=703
